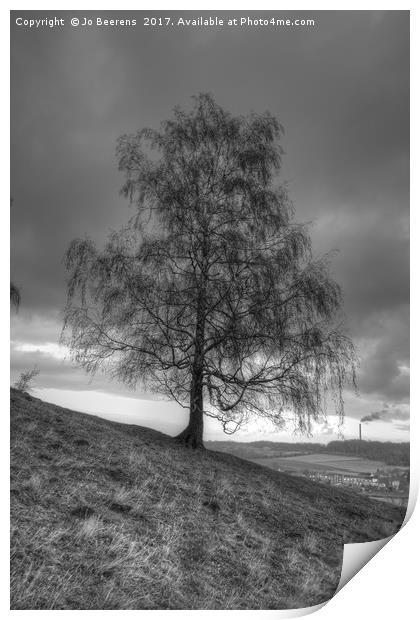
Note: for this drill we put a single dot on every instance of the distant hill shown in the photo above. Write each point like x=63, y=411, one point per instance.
x=113, y=516
x=388, y=452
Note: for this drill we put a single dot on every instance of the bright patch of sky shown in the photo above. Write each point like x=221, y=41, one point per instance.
x=48, y=348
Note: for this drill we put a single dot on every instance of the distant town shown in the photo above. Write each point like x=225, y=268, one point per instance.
x=379, y=470
x=384, y=485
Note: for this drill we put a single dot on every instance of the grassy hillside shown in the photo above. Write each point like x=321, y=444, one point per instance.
x=111, y=516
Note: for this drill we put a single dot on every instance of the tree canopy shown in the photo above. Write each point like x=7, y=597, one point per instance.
x=211, y=295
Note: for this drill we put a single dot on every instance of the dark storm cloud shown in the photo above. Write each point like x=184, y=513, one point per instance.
x=341, y=91
x=384, y=349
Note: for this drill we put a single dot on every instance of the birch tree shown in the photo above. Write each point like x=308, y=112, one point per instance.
x=210, y=296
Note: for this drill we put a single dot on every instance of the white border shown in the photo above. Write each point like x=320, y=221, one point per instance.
x=387, y=585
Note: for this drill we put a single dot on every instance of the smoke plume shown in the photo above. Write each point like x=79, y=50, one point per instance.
x=387, y=414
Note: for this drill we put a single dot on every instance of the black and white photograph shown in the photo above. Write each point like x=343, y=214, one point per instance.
x=209, y=304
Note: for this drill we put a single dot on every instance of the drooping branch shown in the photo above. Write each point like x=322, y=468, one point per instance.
x=14, y=296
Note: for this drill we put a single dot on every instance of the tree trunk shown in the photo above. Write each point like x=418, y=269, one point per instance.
x=192, y=435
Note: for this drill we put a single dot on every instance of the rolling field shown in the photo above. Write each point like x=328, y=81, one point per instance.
x=323, y=462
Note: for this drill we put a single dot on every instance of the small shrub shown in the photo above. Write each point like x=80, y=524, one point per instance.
x=24, y=383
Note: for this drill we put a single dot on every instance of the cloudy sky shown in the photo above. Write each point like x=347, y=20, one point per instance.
x=341, y=90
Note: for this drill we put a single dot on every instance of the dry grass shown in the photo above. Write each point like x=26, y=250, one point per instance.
x=106, y=516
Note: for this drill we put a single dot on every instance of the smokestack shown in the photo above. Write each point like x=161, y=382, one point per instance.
x=360, y=432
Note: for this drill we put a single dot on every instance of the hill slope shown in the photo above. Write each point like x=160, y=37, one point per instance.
x=112, y=516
